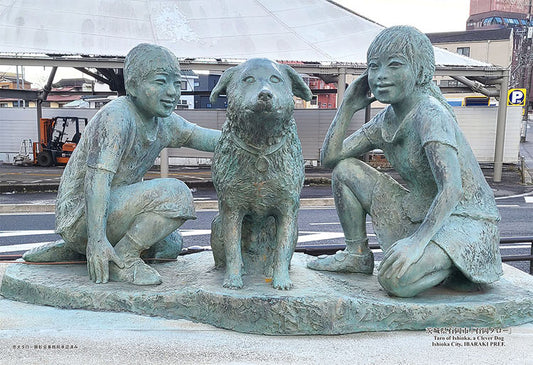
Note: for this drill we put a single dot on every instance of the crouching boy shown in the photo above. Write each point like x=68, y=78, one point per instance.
x=104, y=210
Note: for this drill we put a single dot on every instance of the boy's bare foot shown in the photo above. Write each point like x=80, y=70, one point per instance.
x=52, y=252
x=344, y=261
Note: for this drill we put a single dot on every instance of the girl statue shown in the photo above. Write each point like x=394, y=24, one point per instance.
x=443, y=225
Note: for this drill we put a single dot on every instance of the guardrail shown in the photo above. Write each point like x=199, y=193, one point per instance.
x=511, y=240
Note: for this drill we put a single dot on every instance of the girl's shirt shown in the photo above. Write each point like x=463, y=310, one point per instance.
x=404, y=147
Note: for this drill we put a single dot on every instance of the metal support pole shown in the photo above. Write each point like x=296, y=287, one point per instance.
x=163, y=156
x=341, y=86
x=500, y=128
x=42, y=97
x=18, y=86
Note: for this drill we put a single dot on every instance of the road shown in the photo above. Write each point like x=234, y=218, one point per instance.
x=317, y=226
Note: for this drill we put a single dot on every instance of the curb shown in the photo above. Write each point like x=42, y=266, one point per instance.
x=47, y=188
x=198, y=205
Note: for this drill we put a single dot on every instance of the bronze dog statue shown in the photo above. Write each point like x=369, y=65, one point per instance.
x=258, y=172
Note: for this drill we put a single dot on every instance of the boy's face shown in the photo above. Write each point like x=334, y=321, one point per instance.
x=390, y=77
x=158, y=92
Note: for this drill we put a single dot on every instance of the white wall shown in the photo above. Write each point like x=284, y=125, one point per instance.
x=478, y=124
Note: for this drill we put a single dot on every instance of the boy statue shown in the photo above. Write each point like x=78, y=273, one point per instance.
x=104, y=210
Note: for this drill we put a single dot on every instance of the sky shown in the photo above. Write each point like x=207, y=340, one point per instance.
x=427, y=15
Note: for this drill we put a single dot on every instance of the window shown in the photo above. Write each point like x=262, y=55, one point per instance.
x=465, y=51
x=487, y=21
x=184, y=85
x=314, y=100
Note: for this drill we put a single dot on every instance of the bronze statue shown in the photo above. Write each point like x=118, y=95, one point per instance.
x=258, y=172
x=443, y=224
x=104, y=210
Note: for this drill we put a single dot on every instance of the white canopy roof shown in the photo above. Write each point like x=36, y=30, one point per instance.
x=296, y=30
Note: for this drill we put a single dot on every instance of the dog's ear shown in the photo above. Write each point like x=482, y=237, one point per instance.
x=222, y=84
x=299, y=87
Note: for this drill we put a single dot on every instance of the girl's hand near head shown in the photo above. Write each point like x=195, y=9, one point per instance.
x=357, y=95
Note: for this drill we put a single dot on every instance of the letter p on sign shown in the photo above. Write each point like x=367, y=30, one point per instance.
x=516, y=97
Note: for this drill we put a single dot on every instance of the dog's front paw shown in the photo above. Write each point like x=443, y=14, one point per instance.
x=233, y=282
x=282, y=283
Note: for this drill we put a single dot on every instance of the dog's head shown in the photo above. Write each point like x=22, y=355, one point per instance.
x=262, y=86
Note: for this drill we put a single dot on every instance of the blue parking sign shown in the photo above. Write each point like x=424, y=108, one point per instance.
x=516, y=97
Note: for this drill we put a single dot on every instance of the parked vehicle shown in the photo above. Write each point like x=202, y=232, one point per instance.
x=55, y=146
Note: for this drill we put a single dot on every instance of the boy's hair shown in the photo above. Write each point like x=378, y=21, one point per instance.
x=418, y=50
x=145, y=58
x=411, y=43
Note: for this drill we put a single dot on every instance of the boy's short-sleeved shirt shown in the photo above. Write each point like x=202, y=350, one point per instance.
x=114, y=141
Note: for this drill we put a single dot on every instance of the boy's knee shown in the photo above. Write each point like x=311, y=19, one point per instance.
x=168, y=188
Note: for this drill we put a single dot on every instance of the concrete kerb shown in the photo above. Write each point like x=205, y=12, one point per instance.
x=199, y=205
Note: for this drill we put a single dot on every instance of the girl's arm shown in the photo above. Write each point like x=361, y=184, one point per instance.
x=447, y=173
x=335, y=147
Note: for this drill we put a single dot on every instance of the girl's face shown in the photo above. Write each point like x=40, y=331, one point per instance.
x=391, y=78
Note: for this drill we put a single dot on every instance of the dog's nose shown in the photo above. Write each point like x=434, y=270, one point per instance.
x=265, y=95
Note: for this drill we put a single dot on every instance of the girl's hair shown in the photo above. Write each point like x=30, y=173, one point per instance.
x=145, y=58
x=417, y=48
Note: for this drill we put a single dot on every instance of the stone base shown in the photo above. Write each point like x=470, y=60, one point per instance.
x=319, y=303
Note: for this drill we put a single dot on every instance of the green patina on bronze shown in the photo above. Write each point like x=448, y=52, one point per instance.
x=441, y=228
x=258, y=172
x=104, y=210
x=443, y=224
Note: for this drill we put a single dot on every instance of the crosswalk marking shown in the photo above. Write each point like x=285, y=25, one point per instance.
x=26, y=233
x=320, y=236
x=304, y=237
x=21, y=247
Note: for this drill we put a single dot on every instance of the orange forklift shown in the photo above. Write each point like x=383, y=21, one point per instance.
x=54, y=146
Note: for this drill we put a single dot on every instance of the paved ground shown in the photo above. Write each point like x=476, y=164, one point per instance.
x=31, y=334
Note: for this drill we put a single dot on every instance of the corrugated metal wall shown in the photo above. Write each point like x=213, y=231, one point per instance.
x=478, y=124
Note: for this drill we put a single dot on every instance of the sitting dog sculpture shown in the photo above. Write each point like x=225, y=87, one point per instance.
x=258, y=172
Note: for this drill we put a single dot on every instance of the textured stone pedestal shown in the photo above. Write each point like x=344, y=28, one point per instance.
x=319, y=303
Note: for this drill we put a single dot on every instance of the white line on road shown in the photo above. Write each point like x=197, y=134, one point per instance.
x=528, y=199
x=514, y=196
x=21, y=247
x=320, y=236
x=194, y=232
x=25, y=233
